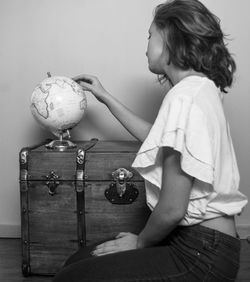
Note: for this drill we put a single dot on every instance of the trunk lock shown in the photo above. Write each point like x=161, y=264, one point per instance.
x=121, y=191
x=52, y=182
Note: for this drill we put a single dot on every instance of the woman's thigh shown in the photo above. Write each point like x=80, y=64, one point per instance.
x=150, y=264
x=189, y=254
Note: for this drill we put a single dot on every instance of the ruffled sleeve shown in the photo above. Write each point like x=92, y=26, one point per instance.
x=183, y=126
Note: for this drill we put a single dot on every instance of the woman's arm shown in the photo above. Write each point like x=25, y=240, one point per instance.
x=173, y=201
x=136, y=126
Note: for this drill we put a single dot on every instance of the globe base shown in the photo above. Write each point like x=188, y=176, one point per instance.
x=60, y=145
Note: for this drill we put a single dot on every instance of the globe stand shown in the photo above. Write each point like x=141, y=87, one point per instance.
x=61, y=144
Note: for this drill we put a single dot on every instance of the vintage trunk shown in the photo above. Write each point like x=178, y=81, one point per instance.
x=76, y=197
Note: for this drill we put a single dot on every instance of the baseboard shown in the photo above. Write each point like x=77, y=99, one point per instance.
x=14, y=231
x=10, y=231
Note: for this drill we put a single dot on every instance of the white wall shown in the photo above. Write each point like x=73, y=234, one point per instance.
x=107, y=38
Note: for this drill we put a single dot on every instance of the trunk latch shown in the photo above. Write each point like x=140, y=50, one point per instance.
x=121, y=191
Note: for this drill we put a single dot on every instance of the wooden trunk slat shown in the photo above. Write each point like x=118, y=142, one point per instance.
x=55, y=229
x=53, y=216
x=63, y=198
x=42, y=163
x=115, y=146
x=100, y=166
x=104, y=219
x=45, y=259
x=52, y=225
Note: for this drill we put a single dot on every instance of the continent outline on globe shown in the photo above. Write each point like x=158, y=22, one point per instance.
x=52, y=101
x=58, y=81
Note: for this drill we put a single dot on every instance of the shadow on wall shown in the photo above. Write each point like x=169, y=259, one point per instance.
x=37, y=134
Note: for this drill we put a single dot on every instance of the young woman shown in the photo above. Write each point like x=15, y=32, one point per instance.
x=187, y=160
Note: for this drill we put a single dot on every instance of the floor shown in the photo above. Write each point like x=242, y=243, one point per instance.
x=10, y=263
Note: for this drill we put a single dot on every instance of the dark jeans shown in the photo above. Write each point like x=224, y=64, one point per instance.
x=194, y=253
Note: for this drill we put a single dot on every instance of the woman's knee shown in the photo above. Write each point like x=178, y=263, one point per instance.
x=81, y=254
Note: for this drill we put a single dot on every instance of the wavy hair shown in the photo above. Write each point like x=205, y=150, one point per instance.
x=194, y=39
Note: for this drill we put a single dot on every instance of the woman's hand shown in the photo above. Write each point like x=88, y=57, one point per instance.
x=92, y=84
x=124, y=241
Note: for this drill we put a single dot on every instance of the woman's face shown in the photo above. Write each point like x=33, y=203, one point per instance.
x=156, y=52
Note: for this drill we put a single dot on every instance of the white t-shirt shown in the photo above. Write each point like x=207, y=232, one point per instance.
x=191, y=120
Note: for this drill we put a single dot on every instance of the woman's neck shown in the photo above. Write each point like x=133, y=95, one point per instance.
x=176, y=75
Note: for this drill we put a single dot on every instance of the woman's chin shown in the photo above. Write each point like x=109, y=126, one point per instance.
x=155, y=70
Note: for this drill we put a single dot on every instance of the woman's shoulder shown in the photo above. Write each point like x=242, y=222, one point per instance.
x=196, y=99
x=199, y=91
x=193, y=86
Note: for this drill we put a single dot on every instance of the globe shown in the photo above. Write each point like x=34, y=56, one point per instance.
x=58, y=103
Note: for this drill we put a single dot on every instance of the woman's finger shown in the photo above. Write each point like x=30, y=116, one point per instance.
x=105, y=250
x=106, y=245
x=86, y=86
x=121, y=234
x=84, y=77
x=103, y=254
